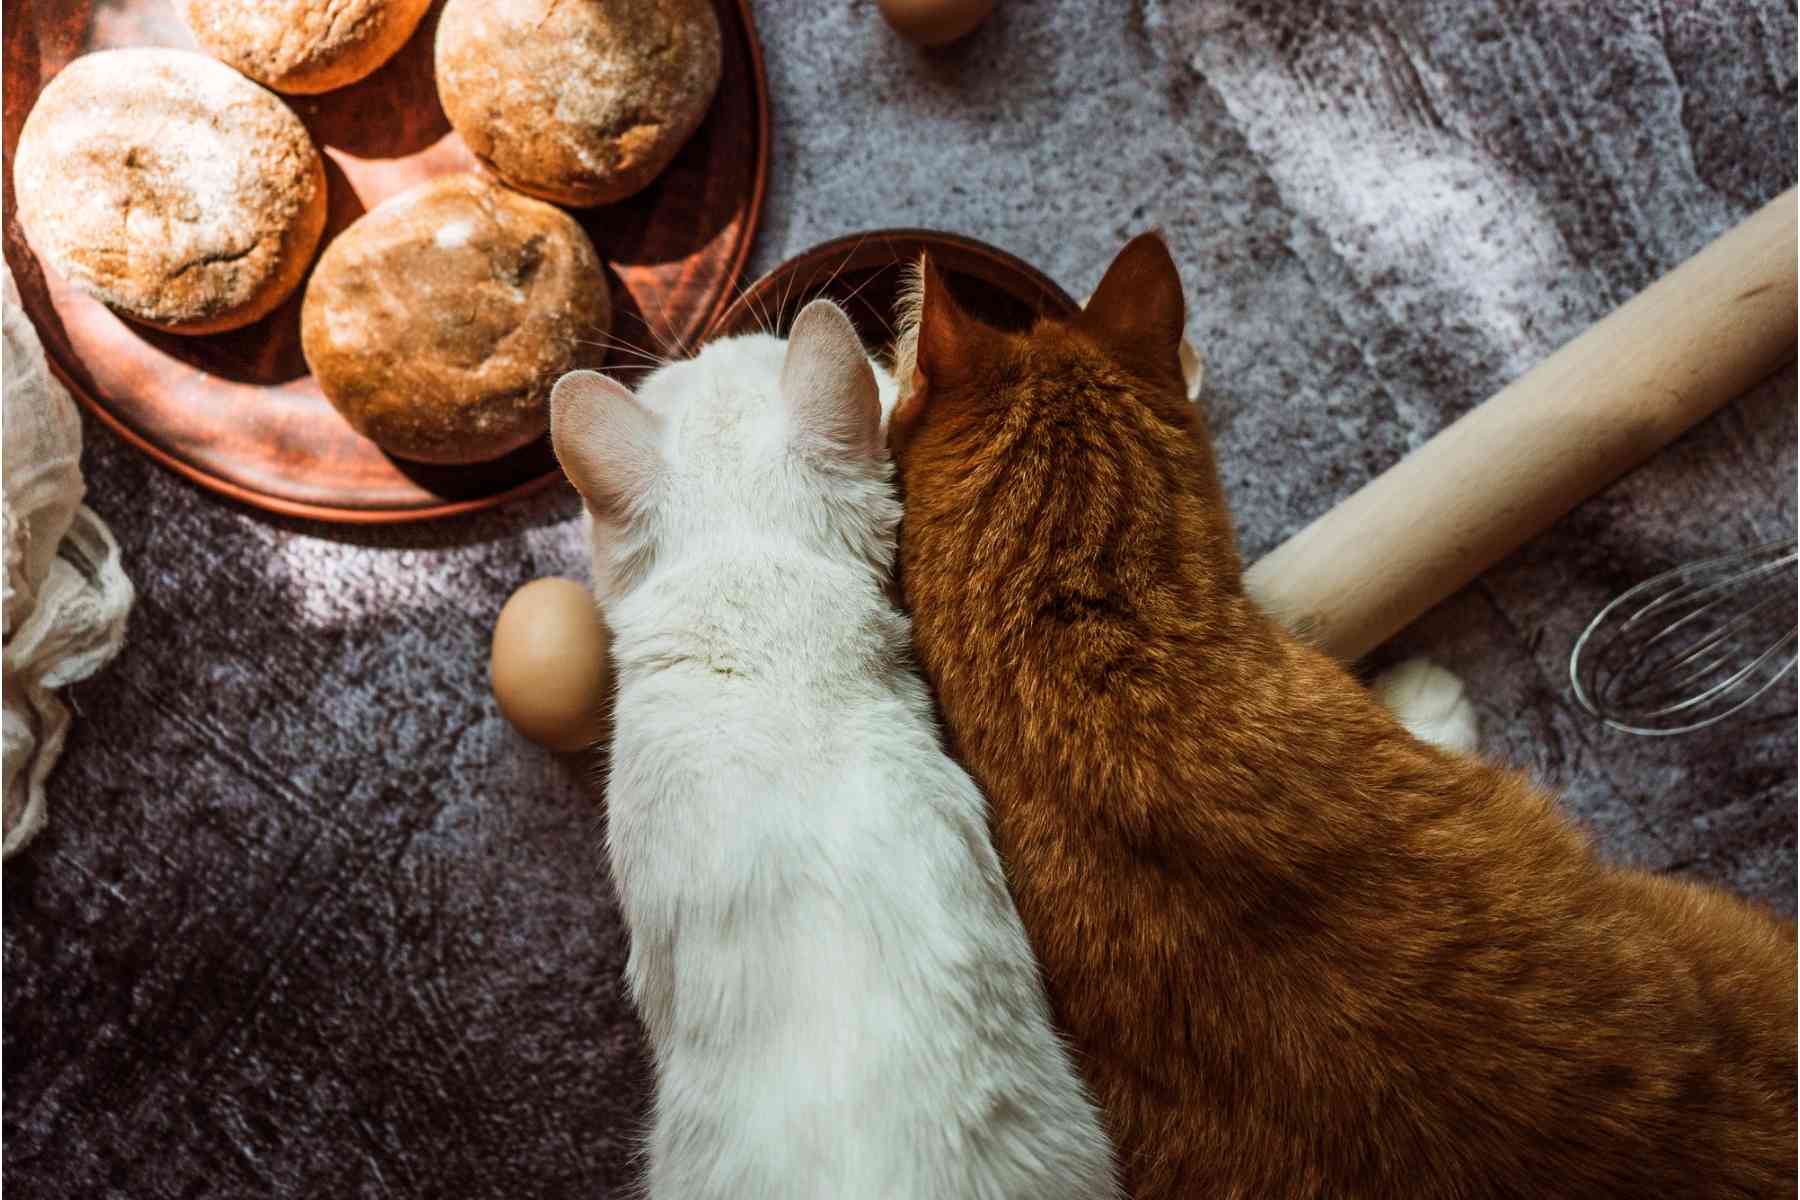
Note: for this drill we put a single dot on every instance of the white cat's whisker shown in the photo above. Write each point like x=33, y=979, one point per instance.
x=857, y=291
x=760, y=312
x=624, y=348
x=611, y=339
x=824, y=289
x=652, y=331
x=669, y=336
x=787, y=290
x=741, y=293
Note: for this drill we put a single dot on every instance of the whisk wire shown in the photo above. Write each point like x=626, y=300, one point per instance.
x=1717, y=639
x=1708, y=625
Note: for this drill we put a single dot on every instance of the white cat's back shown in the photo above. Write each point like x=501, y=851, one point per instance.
x=840, y=994
x=838, y=991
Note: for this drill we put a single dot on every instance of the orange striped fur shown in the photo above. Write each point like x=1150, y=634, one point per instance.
x=1299, y=953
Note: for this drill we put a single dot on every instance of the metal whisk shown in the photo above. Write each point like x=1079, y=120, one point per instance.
x=1692, y=646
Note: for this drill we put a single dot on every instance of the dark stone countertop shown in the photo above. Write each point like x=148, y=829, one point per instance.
x=309, y=919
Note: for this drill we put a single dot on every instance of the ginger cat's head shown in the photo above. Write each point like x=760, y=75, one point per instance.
x=988, y=420
x=754, y=439
x=1130, y=330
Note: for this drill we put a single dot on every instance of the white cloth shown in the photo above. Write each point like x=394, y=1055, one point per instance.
x=66, y=597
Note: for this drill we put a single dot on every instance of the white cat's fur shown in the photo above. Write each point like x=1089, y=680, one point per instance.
x=840, y=996
x=1430, y=702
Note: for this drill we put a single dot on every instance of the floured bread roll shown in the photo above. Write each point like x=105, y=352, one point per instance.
x=302, y=46
x=438, y=322
x=578, y=101
x=170, y=188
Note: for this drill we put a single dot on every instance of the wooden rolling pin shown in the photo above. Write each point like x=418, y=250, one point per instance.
x=1504, y=472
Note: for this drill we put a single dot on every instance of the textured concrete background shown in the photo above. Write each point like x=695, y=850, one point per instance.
x=310, y=920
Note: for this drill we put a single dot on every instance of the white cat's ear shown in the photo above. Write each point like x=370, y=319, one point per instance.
x=605, y=440
x=827, y=383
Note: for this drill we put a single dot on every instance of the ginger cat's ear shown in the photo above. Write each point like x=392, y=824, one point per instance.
x=605, y=440
x=827, y=383
x=942, y=342
x=1137, y=309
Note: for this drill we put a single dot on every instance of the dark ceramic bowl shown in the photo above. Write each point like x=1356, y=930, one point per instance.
x=864, y=272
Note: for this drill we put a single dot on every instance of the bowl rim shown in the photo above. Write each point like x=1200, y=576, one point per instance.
x=1003, y=269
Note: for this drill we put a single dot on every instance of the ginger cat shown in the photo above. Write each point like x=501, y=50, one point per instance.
x=1298, y=951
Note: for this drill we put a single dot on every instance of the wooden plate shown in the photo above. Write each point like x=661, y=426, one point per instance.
x=865, y=272
x=237, y=412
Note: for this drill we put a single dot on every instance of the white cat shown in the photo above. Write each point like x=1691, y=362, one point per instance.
x=839, y=993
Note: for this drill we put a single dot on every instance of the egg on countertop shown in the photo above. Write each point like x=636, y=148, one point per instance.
x=549, y=667
x=934, y=22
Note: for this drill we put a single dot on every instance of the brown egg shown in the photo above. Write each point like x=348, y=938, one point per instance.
x=934, y=22
x=549, y=668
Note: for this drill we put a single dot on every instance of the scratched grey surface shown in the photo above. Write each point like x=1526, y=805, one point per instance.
x=310, y=920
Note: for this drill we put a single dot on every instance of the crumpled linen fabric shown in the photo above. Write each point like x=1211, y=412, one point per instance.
x=66, y=594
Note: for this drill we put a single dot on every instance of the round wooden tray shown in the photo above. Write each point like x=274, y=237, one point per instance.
x=864, y=273
x=237, y=412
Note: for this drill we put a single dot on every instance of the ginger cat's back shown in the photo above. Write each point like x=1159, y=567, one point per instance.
x=1299, y=952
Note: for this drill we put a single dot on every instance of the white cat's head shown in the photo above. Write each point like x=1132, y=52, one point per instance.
x=753, y=440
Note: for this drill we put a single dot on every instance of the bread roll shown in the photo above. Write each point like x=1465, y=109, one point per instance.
x=438, y=322
x=578, y=101
x=170, y=188
x=302, y=46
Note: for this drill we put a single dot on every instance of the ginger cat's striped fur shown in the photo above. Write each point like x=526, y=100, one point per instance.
x=1299, y=952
